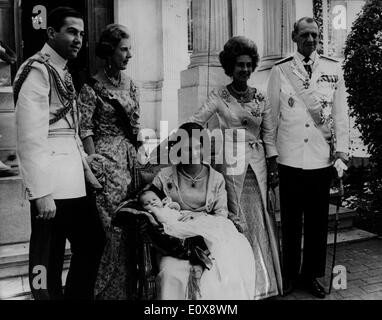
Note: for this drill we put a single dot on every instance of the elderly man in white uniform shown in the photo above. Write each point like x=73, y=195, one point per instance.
x=52, y=166
x=308, y=99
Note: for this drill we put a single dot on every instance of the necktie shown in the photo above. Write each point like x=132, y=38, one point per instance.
x=308, y=67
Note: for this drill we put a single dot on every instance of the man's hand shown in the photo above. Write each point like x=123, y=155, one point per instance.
x=46, y=207
x=273, y=177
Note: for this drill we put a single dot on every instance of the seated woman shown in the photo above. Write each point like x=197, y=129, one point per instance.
x=200, y=191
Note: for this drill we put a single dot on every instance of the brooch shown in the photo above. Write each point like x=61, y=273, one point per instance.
x=260, y=97
x=291, y=102
x=256, y=113
x=225, y=95
x=306, y=83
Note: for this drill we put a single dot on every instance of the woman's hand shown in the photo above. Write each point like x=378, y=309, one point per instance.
x=273, y=177
x=190, y=215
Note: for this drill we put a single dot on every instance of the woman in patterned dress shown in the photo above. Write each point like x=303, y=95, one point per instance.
x=239, y=106
x=109, y=126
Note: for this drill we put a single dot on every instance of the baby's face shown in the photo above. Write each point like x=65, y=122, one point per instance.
x=150, y=200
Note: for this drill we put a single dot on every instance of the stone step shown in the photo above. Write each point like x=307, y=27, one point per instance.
x=5, y=74
x=6, y=99
x=14, y=211
x=7, y=131
x=8, y=156
x=17, y=288
x=14, y=259
x=14, y=283
x=345, y=216
x=350, y=235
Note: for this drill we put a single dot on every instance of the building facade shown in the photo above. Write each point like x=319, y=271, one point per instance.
x=175, y=47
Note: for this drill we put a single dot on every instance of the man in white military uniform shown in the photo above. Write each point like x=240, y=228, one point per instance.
x=308, y=99
x=52, y=166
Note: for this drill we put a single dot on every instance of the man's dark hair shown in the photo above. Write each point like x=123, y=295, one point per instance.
x=56, y=17
x=306, y=19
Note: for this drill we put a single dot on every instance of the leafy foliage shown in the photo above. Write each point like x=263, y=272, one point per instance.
x=318, y=16
x=363, y=78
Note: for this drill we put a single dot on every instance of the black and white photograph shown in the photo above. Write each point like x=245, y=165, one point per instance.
x=191, y=150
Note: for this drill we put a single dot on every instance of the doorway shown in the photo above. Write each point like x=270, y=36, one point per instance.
x=31, y=36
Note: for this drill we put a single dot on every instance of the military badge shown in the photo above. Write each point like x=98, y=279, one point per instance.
x=291, y=102
x=306, y=83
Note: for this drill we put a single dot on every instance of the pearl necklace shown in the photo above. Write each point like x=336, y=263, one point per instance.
x=113, y=82
x=193, y=179
x=240, y=94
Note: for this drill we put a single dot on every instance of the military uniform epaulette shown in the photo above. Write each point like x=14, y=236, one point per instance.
x=284, y=60
x=40, y=58
x=329, y=58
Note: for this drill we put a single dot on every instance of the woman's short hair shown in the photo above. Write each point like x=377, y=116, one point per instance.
x=109, y=40
x=235, y=47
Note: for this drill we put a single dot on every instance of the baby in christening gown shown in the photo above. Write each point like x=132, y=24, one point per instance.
x=165, y=211
x=232, y=274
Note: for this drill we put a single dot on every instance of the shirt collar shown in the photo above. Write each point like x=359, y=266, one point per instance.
x=55, y=58
x=312, y=57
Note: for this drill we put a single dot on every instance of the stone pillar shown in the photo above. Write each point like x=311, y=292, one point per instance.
x=279, y=17
x=304, y=9
x=175, y=57
x=211, y=29
x=143, y=18
x=159, y=47
x=248, y=21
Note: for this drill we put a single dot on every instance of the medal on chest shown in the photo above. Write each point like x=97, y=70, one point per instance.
x=306, y=83
x=301, y=75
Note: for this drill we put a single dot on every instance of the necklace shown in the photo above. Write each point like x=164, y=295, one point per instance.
x=241, y=95
x=193, y=179
x=113, y=82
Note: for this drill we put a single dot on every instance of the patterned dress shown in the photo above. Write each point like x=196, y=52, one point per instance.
x=248, y=131
x=110, y=115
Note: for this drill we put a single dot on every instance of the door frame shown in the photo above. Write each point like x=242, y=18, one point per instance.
x=90, y=21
